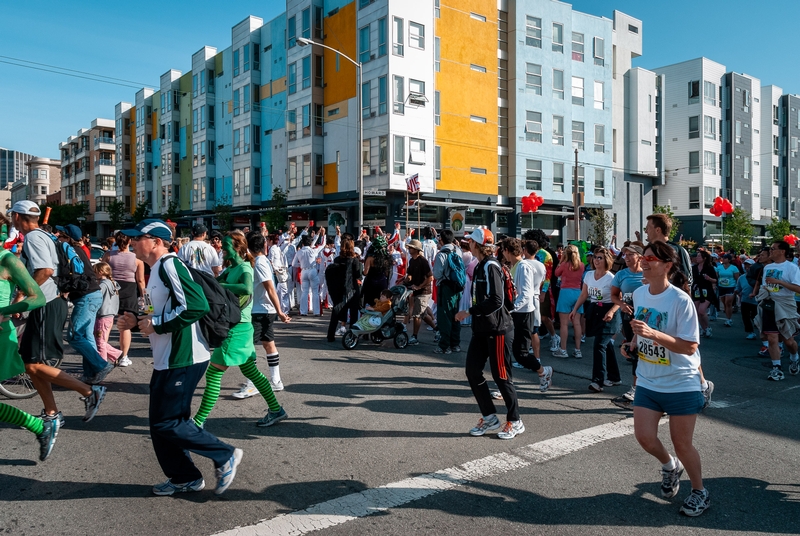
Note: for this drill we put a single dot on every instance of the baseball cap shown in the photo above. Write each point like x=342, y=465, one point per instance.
x=714, y=256
x=153, y=227
x=634, y=248
x=415, y=244
x=72, y=231
x=483, y=237
x=198, y=229
x=26, y=207
x=749, y=261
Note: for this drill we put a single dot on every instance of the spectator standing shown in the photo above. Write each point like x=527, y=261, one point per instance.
x=199, y=254
x=448, y=295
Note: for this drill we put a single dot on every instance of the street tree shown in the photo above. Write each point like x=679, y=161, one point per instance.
x=65, y=214
x=116, y=214
x=141, y=212
x=738, y=231
x=275, y=216
x=601, y=226
x=223, y=213
x=778, y=228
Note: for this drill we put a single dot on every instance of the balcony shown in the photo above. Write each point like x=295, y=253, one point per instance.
x=104, y=143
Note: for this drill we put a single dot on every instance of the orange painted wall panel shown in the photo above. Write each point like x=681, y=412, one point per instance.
x=340, y=33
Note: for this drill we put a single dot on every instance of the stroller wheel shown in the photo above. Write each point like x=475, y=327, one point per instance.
x=401, y=340
x=349, y=340
x=376, y=337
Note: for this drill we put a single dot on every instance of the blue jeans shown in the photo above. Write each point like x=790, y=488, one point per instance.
x=81, y=332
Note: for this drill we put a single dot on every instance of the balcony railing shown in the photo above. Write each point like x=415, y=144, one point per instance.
x=104, y=162
x=98, y=141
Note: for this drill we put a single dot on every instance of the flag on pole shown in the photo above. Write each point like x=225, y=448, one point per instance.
x=412, y=183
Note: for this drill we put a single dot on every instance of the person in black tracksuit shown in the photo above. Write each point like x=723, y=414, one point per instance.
x=492, y=339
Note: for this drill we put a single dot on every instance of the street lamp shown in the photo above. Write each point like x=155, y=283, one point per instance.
x=302, y=41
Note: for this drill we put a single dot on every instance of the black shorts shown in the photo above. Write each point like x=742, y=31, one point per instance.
x=524, y=324
x=128, y=296
x=43, y=333
x=547, y=306
x=768, y=323
x=262, y=327
x=725, y=291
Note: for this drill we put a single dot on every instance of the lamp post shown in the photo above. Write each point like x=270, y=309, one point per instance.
x=302, y=41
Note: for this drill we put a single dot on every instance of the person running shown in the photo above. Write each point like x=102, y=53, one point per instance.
x=727, y=274
x=199, y=254
x=749, y=307
x=524, y=313
x=668, y=375
x=44, y=328
x=625, y=282
x=266, y=310
x=238, y=349
x=419, y=277
x=492, y=340
x=703, y=295
x=448, y=296
x=778, y=318
x=602, y=320
x=180, y=358
x=570, y=270
x=128, y=272
x=13, y=275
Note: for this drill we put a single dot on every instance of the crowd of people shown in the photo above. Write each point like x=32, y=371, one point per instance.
x=650, y=300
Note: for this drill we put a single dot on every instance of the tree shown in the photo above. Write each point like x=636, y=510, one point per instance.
x=738, y=231
x=223, y=214
x=676, y=223
x=116, y=214
x=173, y=210
x=275, y=216
x=778, y=229
x=601, y=226
x=65, y=214
x=141, y=212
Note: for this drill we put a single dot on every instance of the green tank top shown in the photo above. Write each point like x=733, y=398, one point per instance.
x=233, y=275
x=6, y=286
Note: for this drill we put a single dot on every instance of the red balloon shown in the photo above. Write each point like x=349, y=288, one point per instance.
x=727, y=206
x=532, y=202
x=791, y=239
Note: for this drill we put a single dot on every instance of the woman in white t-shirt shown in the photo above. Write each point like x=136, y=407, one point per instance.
x=668, y=375
x=602, y=320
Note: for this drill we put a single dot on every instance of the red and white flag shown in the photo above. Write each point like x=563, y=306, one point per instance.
x=412, y=183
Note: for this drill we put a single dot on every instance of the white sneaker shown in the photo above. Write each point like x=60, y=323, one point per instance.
x=511, y=429
x=557, y=339
x=560, y=353
x=341, y=330
x=708, y=333
x=728, y=323
x=751, y=336
x=124, y=362
x=583, y=338
x=577, y=354
x=276, y=386
x=546, y=380
x=247, y=390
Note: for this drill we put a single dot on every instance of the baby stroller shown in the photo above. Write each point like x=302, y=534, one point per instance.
x=380, y=327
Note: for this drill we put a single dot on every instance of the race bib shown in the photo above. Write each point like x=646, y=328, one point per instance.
x=652, y=352
x=596, y=293
x=725, y=282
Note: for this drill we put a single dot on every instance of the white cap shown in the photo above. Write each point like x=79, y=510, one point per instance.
x=26, y=207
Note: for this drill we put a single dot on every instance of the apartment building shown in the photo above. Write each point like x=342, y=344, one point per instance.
x=12, y=166
x=88, y=173
x=43, y=178
x=789, y=122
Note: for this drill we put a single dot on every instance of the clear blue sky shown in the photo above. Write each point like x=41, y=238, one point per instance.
x=139, y=41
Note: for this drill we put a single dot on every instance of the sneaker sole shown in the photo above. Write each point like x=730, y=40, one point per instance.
x=694, y=513
x=187, y=489
x=511, y=436
x=623, y=403
x=90, y=415
x=489, y=429
x=237, y=459
x=246, y=395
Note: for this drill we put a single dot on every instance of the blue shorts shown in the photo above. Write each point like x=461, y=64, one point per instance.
x=686, y=403
x=567, y=299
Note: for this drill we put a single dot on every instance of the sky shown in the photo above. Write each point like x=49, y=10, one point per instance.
x=138, y=42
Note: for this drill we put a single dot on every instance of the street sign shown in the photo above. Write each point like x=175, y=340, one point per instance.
x=375, y=193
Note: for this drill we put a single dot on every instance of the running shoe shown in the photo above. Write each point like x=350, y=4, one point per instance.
x=776, y=374
x=622, y=402
x=595, y=387
x=794, y=368
x=671, y=480
x=47, y=438
x=272, y=417
x=577, y=354
x=276, y=386
x=100, y=376
x=696, y=503
x=560, y=352
x=728, y=323
x=511, y=430
x=546, y=380
x=455, y=349
x=496, y=395
x=609, y=383
x=764, y=352
x=517, y=365
x=341, y=330
x=124, y=361
x=93, y=401
x=437, y=335
x=708, y=333
x=45, y=417
x=485, y=425
x=227, y=472
x=583, y=338
x=440, y=350
x=630, y=394
x=557, y=339
x=246, y=390
x=707, y=394
x=168, y=488
x=751, y=336
x=412, y=340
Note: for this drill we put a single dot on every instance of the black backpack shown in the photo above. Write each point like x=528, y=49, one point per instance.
x=223, y=305
x=74, y=275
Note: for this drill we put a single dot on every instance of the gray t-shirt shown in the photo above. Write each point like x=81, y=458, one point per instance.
x=39, y=251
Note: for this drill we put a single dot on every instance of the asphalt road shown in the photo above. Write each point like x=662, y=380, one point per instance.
x=362, y=420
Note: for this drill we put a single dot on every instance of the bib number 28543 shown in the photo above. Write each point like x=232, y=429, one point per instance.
x=652, y=352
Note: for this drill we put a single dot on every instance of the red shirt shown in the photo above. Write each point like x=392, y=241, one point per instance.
x=86, y=250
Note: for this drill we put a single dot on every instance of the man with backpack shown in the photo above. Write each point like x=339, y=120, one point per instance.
x=180, y=357
x=450, y=276
x=492, y=338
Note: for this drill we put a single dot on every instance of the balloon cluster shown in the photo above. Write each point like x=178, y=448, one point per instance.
x=721, y=206
x=532, y=202
x=791, y=239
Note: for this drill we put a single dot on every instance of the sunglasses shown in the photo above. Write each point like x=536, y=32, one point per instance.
x=137, y=238
x=651, y=258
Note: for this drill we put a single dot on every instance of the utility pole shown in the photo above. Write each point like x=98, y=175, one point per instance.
x=576, y=198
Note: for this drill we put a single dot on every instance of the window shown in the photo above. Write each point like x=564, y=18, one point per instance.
x=256, y=58
x=599, y=51
x=237, y=142
x=694, y=91
x=558, y=177
x=366, y=109
x=479, y=68
x=437, y=162
x=398, y=95
x=558, y=84
x=246, y=98
x=318, y=63
x=292, y=78
x=709, y=126
x=363, y=44
x=533, y=31
x=397, y=46
x=775, y=145
x=203, y=118
x=533, y=77
x=776, y=181
x=478, y=17
x=599, y=183
x=694, y=162
x=437, y=114
x=382, y=37
x=436, y=9
x=306, y=72
x=383, y=154
x=318, y=120
x=236, y=102
x=210, y=116
x=307, y=169
x=317, y=22
x=291, y=124
x=577, y=91
x=694, y=126
x=292, y=172
x=738, y=132
x=416, y=151
x=399, y=154
x=775, y=115
x=533, y=126
x=177, y=161
x=477, y=119
x=246, y=57
x=195, y=120
x=746, y=173
x=599, y=138
x=306, y=23
x=291, y=32
x=416, y=35
x=306, y=120
x=577, y=46
x=581, y=176
x=599, y=102
x=694, y=197
x=437, y=64
x=558, y=37
x=195, y=155
x=477, y=170
x=319, y=167
x=558, y=130
x=246, y=181
x=709, y=93
x=578, y=135
x=202, y=153
x=710, y=162
x=709, y=194
x=194, y=85
x=533, y=174
x=211, y=150
x=236, y=62
x=382, y=96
